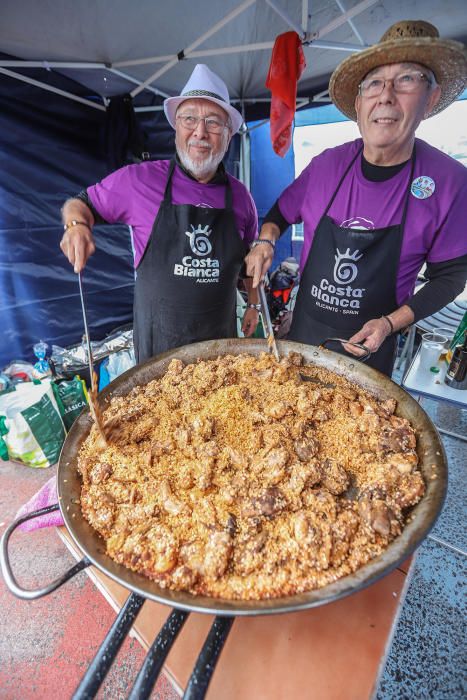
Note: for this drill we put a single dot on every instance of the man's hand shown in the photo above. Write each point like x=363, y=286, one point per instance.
x=372, y=335
x=77, y=242
x=250, y=321
x=78, y=245
x=259, y=259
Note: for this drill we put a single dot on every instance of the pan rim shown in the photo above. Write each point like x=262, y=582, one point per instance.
x=424, y=514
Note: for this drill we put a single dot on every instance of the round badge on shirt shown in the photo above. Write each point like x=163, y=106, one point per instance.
x=422, y=187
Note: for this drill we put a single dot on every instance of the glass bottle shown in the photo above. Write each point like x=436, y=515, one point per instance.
x=456, y=375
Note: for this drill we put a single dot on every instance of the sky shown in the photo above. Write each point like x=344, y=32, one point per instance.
x=446, y=131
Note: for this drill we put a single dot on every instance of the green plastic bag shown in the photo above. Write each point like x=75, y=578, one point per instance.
x=32, y=429
x=71, y=399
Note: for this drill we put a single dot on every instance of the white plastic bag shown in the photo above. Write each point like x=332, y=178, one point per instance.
x=119, y=362
x=32, y=427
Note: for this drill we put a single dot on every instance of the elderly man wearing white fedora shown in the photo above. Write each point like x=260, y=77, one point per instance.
x=192, y=225
x=378, y=208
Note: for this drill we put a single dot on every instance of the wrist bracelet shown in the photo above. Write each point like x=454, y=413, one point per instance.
x=263, y=240
x=254, y=306
x=74, y=222
x=391, y=325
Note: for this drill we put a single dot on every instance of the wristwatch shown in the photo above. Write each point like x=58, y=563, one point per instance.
x=254, y=306
x=263, y=240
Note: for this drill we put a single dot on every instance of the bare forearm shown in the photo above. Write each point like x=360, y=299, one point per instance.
x=270, y=231
x=253, y=295
x=401, y=317
x=75, y=209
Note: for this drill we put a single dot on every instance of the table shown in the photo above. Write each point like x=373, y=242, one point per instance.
x=447, y=318
x=331, y=652
x=425, y=383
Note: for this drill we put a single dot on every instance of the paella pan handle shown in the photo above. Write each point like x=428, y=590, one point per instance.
x=7, y=572
x=103, y=660
x=361, y=346
x=207, y=659
x=157, y=655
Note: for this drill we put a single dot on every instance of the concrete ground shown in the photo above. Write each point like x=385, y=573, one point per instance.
x=46, y=645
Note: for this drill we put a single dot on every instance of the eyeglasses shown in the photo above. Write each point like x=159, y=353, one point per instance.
x=190, y=122
x=404, y=83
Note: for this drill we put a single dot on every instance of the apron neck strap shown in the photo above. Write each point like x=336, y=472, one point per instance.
x=168, y=184
x=168, y=187
x=228, y=194
x=342, y=180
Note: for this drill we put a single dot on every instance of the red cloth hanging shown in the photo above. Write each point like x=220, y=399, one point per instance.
x=287, y=64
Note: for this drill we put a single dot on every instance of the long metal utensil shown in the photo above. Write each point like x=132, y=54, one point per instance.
x=93, y=403
x=267, y=321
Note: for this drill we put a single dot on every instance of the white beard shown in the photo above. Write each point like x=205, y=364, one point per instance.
x=201, y=169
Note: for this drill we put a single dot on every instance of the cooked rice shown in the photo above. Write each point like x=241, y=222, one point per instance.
x=235, y=478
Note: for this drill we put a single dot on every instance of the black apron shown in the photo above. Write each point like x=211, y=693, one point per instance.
x=349, y=278
x=185, y=289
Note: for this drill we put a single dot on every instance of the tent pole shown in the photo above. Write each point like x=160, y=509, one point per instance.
x=305, y=16
x=287, y=19
x=231, y=49
x=143, y=61
x=150, y=108
x=192, y=46
x=137, y=82
x=260, y=46
x=333, y=46
x=198, y=54
x=350, y=23
x=50, y=88
x=342, y=19
x=50, y=64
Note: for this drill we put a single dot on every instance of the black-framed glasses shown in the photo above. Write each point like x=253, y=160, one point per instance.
x=213, y=124
x=407, y=82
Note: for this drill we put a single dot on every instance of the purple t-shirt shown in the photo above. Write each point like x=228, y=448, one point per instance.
x=132, y=195
x=435, y=228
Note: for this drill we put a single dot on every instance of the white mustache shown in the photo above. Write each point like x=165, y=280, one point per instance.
x=200, y=144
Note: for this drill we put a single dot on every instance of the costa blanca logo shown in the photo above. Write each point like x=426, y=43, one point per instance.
x=345, y=271
x=340, y=297
x=205, y=270
x=199, y=239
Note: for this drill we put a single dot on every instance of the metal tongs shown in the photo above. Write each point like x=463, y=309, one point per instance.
x=94, y=407
x=272, y=347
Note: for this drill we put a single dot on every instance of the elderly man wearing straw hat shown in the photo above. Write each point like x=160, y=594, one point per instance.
x=191, y=222
x=375, y=210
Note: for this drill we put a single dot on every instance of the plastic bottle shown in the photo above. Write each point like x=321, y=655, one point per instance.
x=4, y=382
x=41, y=367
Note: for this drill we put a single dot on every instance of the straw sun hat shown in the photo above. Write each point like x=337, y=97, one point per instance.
x=409, y=41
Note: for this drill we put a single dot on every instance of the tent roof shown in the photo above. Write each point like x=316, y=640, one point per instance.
x=119, y=34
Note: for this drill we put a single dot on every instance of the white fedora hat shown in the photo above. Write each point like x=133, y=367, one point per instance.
x=207, y=85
